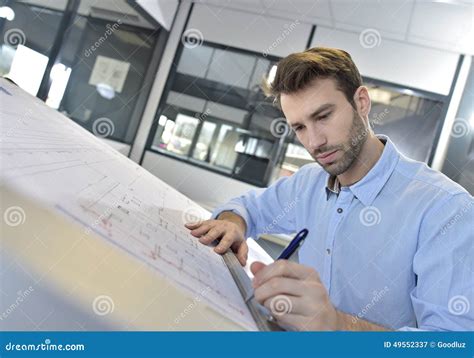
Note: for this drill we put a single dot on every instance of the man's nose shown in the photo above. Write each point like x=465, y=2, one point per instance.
x=316, y=141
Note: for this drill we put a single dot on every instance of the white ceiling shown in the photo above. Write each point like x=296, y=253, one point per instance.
x=443, y=24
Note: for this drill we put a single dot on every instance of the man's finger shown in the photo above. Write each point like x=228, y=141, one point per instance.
x=201, y=230
x=278, y=286
x=212, y=235
x=224, y=244
x=241, y=249
x=256, y=266
x=197, y=224
x=282, y=268
x=193, y=225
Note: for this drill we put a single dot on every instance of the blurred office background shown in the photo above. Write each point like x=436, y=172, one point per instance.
x=175, y=85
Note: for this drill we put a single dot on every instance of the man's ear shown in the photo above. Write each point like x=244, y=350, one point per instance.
x=362, y=101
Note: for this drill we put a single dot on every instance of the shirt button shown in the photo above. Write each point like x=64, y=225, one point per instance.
x=328, y=251
x=339, y=210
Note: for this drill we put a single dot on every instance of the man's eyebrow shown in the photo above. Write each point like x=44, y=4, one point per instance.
x=318, y=111
x=321, y=109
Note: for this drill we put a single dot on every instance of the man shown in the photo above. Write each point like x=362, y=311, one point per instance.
x=390, y=242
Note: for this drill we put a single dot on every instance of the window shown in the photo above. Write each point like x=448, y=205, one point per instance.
x=215, y=114
x=109, y=61
x=99, y=78
x=411, y=119
x=26, y=35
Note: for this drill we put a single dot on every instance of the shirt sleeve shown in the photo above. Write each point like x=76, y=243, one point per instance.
x=444, y=264
x=268, y=210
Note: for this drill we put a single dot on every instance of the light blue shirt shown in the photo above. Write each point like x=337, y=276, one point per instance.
x=395, y=249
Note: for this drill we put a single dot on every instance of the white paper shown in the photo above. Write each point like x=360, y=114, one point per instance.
x=57, y=163
x=256, y=253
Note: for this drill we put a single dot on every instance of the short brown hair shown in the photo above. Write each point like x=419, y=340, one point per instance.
x=298, y=70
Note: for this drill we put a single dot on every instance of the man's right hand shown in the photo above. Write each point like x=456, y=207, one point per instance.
x=229, y=230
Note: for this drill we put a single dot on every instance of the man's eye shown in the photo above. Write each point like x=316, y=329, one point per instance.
x=324, y=116
x=297, y=129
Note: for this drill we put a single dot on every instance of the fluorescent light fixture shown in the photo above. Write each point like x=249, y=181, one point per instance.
x=7, y=12
x=271, y=74
x=28, y=68
x=162, y=120
x=59, y=79
x=105, y=90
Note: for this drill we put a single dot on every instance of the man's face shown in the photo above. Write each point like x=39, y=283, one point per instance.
x=326, y=124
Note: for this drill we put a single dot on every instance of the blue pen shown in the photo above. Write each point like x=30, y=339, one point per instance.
x=289, y=250
x=294, y=245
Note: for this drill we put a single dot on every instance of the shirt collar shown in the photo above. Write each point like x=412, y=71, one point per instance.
x=367, y=189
